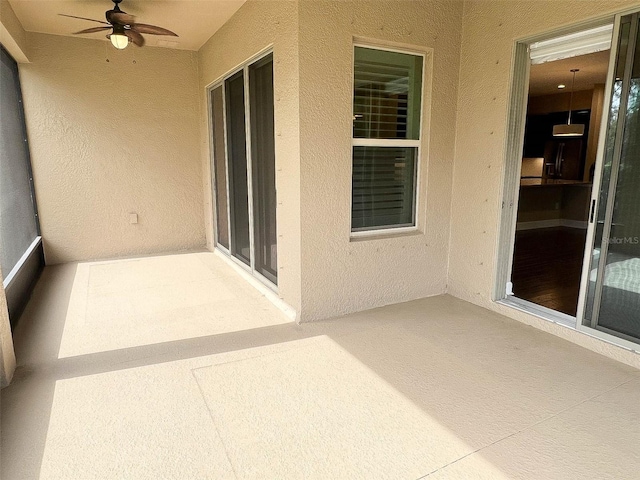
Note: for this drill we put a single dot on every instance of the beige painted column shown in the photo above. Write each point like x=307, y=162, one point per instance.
x=7, y=355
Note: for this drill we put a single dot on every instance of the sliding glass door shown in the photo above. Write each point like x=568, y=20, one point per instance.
x=263, y=167
x=219, y=167
x=613, y=295
x=237, y=158
x=242, y=122
x=21, y=256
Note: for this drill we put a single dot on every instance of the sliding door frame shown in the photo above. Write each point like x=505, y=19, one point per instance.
x=513, y=147
x=592, y=328
x=220, y=82
x=514, y=140
x=247, y=129
x=212, y=154
x=21, y=279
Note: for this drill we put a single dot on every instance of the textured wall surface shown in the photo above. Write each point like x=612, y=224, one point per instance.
x=109, y=138
x=339, y=275
x=489, y=32
x=256, y=26
x=12, y=35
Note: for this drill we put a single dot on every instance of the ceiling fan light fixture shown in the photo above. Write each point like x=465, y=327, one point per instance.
x=118, y=37
x=124, y=28
x=119, y=40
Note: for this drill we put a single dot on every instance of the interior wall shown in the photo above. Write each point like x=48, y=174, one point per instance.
x=113, y=133
x=256, y=26
x=554, y=202
x=490, y=29
x=340, y=275
x=595, y=122
x=559, y=102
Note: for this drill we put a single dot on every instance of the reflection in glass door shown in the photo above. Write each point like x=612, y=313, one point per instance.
x=613, y=296
x=219, y=167
x=237, y=157
x=263, y=167
x=243, y=167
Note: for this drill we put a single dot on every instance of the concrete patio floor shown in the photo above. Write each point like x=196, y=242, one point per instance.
x=174, y=367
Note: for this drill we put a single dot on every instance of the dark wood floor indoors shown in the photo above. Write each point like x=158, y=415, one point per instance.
x=547, y=265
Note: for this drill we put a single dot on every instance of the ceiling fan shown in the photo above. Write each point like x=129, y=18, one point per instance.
x=124, y=27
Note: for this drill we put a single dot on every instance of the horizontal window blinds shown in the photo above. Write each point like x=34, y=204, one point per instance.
x=383, y=187
x=386, y=100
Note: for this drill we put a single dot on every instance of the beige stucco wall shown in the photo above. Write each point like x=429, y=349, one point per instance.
x=12, y=35
x=111, y=133
x=256, y=26
x=489, y=31
x=339, y=275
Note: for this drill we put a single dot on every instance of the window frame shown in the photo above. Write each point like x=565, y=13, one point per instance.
x=387, y=230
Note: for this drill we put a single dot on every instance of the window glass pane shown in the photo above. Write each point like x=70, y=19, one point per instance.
x=237, y=153
x=387, y=94
x=18, y=227
x=220, y=167
x=263, y=167
x=383, y=188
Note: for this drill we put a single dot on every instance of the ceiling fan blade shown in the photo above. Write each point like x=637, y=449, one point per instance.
x=82, y=18
x=92, y=30
x=135, y=37
x=120, y=18
x=151, y=29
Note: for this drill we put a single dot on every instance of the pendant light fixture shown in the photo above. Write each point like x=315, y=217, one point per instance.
x=569, y=129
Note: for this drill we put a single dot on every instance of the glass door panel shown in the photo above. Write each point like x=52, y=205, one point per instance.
x=244, y=167
x=263, y=167
x=18, y=225
x=237, y=155
x=219, y=167
x=613, y=297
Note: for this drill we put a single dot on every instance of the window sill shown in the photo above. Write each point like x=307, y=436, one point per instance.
x=384, y=234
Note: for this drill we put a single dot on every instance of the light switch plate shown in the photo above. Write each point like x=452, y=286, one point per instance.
x=133, y=218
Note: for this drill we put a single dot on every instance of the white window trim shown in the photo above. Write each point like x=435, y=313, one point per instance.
x=20, y=263
x=382, y=142
x=385, y=231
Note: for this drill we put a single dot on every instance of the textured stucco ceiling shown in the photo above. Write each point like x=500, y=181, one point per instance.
x=546, y=77
x=193, y=20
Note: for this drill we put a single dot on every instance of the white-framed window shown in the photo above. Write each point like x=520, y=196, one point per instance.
x=387, y=118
